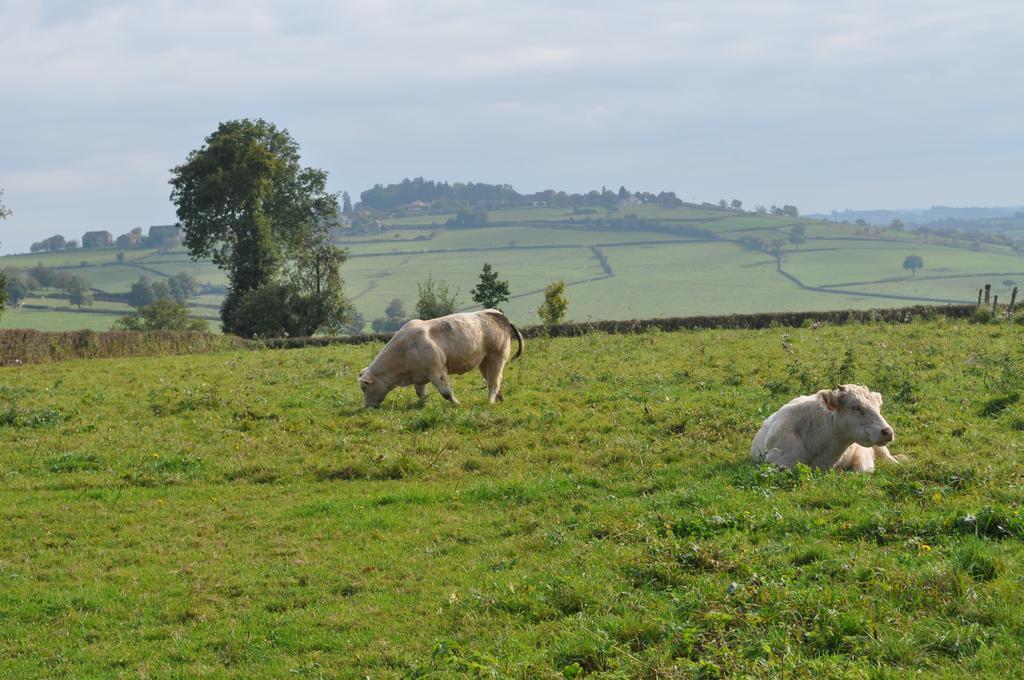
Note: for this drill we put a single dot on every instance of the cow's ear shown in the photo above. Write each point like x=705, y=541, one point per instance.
x=829, y=398
x=877, y=398
x=365, y=377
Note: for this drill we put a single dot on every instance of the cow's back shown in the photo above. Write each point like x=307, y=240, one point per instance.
x=461, y=338
x=792, y=417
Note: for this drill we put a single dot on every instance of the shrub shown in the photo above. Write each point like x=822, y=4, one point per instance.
x=435, y=299
x=162, y=315
x=265, y=312
x=394, y=316
x=555, y=304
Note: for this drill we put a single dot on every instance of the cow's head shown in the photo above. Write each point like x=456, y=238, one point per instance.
x=858, y=414
x=374, y=390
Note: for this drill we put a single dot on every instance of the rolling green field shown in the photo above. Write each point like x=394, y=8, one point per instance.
x=50, y=320
x=655, y=271
x=239, y=515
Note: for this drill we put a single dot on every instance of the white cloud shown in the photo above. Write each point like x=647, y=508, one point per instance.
x=796, y=100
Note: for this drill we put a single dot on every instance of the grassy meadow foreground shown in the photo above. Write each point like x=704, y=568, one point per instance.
x=237, y=514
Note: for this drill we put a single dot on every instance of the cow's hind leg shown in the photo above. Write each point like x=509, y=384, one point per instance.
x=444, y=387
x=492, y=368
x=421, y=391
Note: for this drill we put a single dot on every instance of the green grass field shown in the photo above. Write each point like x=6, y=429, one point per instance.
x=47, y=320
x=534, y=246
x=239, y=515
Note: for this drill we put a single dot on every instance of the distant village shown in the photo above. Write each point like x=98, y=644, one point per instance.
x=159, y=236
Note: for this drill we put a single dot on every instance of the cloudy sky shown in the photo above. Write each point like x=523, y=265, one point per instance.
x=826, y=105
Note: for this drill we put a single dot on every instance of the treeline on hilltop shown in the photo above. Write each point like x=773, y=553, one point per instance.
x=444, y=196
x=408, y=191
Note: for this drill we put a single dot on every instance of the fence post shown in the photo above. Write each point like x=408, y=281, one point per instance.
x=979, y=297
x=988, y=291
x=1013, y=300
x=995, y=303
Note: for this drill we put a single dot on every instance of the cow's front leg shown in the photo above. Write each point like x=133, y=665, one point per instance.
x=444, y=387
x=421, y=391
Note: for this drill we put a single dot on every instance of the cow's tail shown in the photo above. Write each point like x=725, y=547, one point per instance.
x=513, y=331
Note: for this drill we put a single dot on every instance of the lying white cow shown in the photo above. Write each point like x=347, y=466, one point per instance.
x=840, y=429
x=424, y=352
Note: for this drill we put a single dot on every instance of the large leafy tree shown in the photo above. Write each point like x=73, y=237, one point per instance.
x=245, y=201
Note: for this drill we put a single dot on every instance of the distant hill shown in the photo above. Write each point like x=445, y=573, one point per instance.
x=934, y=216
x=623, y=254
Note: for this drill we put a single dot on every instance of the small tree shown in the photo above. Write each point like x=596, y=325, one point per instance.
x=736, y=204
x=555, y=304
x=356, y=322
x=120, y=257
x=4, y=212
x=394, y=316
x=79, y=292
x=913, y=263
x=182, y=286
x=469, y=217
x=435, y=299
x=161, y=290
x=16, y=288
x=798, y=235
x=141, y=293
x=490, y=292
x=314, y=277
x=346, y=203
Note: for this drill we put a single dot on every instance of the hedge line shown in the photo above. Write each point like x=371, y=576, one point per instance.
x=20, y=346
x=24, y=346
x=737, y=321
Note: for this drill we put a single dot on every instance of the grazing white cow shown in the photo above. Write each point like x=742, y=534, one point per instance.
x=840, y=429
x=424, y=352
